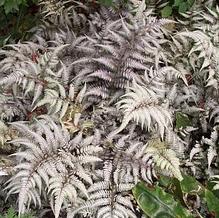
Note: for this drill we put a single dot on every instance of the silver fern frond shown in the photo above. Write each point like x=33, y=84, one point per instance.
x=142, y=105
x=59, y=101
x=107, y=199
x=44, y=158
x=164, y=158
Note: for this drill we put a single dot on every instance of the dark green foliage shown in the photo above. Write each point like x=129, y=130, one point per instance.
x=16, y=18
x=166, y=11
x=155, y=202
x=212, y=202
x=106, y=2
x=10, y=6
x=171, y=198
x=111, y=3
x=11, y=213
x=190, y=185
x=182, y=120
x=176, y=6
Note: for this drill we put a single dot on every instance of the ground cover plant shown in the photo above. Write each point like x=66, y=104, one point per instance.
x=110, y=110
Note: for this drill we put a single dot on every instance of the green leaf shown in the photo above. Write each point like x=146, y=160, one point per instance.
x=156, y=203
x=177, y=3
x=183, y=7
x=4, y=40
x=190, y=185
x=106, y=2
x=165, y=181
x=182, y=120
x=212, y=202
x=166, y=11
x=173, y=187
x=12, y=5
x=11, y=213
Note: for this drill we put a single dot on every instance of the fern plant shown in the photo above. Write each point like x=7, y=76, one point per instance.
x=102, y=98
x=118, y=59
x=43, y=164
x=142, y=105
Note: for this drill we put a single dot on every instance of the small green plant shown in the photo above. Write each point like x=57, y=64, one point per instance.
x=16, y=18
x=11, y=213
x=176, y=7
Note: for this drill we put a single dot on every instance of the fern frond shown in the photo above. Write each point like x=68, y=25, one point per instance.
x=44, y=157
x=11, y=106
x=126, y=50
x=59, y=101
x=164, y=158
x=33, y=77
x=142, y=106
x=130, y=161
x=64, y=188
x=107, y=199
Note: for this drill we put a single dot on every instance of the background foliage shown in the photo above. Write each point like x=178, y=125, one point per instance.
x=174, y=7
x=17, y=18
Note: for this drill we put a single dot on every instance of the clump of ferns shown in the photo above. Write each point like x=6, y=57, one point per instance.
x=32, y=81
x=107, y=199
x=202, y=13
x=16, y=56
x=125, y=162
x=45, y=84
x=151, y=101
x=52, y=162
x=199, y=45
x=144, y=107
x=115, y=177
x=58, y=101
x=47, y=138
x=103, y=19
x=200, y=74
x=213, y=142
x=129, y=49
